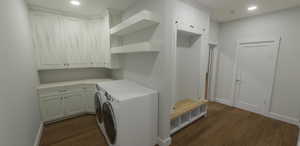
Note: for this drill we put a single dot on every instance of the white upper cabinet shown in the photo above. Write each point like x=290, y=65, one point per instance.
x=76, y=42
x=95, y=43
x=68, y=42
x=48, y=42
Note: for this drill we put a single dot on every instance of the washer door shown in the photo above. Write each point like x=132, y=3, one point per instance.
x=109, y=122
x=98, y=106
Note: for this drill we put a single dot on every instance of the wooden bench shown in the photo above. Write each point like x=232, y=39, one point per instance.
x=187, y=111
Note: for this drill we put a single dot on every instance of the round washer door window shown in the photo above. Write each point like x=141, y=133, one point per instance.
x=98, y=107
x=109, y=122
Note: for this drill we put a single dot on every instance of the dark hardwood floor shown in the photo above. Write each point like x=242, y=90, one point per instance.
x=224, y=126
x=228, y=126
x=81, y=131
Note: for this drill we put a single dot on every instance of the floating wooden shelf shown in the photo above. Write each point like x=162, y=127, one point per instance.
x=185, y=106
x=134, y=48
x=141, y=20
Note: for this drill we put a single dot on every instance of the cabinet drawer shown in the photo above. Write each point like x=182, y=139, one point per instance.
x=89, y=87
x=58, y=91
x=53, y=92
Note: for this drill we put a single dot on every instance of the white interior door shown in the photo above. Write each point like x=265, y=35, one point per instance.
x=255, y=70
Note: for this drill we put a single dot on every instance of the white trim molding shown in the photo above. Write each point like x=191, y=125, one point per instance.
x=164, y=142
x=224, y=101
x=250, y=42
x=39, y=135
x=298, y=139
x=276, y=116
x=283, y=118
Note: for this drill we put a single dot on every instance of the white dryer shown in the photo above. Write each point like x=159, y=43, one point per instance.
x=129, y=113
x=99, y=101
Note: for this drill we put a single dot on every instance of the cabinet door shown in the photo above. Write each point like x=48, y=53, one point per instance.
x=48, y=41
x=75, y=36
x=90, y=101
x=95, y=42
x=52, y=108
x=73, y=104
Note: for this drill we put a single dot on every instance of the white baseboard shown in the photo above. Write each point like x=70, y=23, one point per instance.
x=164, y=142
x=298, y=139
x=39, y=135
x=224, y=101
x=272, y=115
x=283, y=118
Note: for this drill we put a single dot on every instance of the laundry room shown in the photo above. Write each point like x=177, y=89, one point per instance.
x=149, y=73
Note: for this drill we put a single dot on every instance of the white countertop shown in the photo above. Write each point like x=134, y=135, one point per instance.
x=71, y=83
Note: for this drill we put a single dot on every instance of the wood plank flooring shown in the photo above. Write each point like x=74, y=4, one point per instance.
x=224, y=126
x=228, y=126
x=81, y=131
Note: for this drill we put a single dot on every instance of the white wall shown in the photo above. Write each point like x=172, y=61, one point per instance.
x=191, y=61
x=20, y=118
x=49, y=76
x=155, y=69
x=214, y=31
x=152, y=69
x=286, y=24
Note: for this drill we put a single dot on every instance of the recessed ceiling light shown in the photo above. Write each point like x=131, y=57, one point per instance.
x=75, y=2
x=252, y=8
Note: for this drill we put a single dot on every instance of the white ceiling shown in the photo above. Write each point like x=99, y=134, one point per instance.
x=221, y=10
x=227, y=10
x=87, y=7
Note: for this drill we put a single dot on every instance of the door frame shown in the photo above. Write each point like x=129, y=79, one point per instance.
x=254, y=41
x=214, y=46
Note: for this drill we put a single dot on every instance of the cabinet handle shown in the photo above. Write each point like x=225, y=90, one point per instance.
x=63, y=90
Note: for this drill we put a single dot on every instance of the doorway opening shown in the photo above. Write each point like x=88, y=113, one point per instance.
x=211, y=69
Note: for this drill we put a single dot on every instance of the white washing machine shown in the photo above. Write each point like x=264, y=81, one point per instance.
x=99, y=100
x=127, y=113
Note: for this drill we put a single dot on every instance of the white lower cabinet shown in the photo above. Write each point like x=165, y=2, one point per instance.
x=52, y=108
x=63, y=103
x=73, y=104
x=89, y=94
